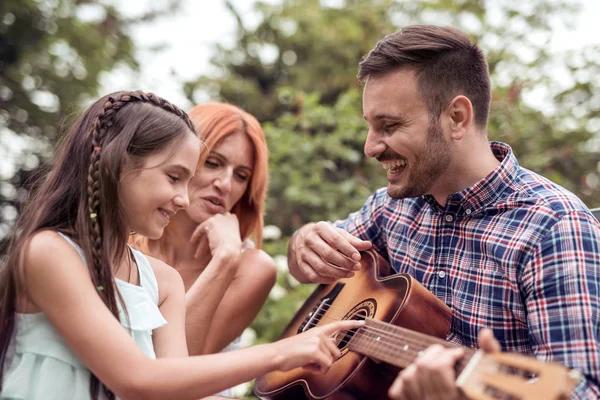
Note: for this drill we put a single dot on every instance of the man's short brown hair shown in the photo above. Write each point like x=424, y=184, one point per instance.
x=446, y=63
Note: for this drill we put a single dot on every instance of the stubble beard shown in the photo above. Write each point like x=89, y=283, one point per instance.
x=429, y=166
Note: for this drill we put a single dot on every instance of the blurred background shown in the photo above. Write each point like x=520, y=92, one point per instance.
x=292, y=63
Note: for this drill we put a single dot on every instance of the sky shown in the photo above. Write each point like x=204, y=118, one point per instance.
x=188, y=38
x=187, y=41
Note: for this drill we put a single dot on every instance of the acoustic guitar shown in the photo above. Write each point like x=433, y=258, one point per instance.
x=402, y=320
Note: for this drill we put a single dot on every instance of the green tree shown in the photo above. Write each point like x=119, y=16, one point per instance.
x=52, y=56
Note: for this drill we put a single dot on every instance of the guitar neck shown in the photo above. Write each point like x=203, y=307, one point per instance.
x=395, y=345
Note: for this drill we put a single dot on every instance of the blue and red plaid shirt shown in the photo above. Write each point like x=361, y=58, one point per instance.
x=514, y=252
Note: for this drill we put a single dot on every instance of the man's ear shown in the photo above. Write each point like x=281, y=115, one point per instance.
x=460, y=116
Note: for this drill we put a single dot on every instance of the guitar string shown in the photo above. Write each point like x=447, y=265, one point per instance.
x=387, y=349
x=414, y=338
x=314, y=323
x=398, y=344
x=411, y=338
x=394, y=339
x=391, y=351
x=331, y=307
x=399, y=349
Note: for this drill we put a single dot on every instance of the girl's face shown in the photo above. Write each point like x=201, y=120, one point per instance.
x=153, y=194
x=223, y=179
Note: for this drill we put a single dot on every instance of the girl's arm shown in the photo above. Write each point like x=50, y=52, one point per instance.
x=169, y=340
x=59, y=284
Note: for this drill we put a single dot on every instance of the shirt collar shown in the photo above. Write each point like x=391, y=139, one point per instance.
x=487, y=190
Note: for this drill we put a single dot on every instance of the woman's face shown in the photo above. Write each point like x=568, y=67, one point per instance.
x=223, y=179
x=153, y=194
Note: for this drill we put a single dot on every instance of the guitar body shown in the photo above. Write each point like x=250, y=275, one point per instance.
x=397, y=299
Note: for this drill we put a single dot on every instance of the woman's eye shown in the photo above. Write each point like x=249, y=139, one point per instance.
x=211, y=164
x=173, y=177
x=243, y=177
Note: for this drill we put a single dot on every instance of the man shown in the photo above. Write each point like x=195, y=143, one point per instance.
x=505, y=248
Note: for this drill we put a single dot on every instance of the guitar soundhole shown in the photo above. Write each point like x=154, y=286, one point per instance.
x=359, y=316
x=364, y=309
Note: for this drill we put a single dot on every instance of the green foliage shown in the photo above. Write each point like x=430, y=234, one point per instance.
x=52, y=57
x=317, y=163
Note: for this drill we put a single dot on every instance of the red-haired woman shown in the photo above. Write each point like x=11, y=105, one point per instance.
x=215, y=243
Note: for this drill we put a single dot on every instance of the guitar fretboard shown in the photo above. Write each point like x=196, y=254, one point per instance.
x=395, y=345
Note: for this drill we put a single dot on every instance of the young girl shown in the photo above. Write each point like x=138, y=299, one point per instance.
x=215, y=243
x=124, y=167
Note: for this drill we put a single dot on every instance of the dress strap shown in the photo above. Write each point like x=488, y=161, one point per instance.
x=147, y=277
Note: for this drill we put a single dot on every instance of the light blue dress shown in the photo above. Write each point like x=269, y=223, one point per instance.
x=40, y=365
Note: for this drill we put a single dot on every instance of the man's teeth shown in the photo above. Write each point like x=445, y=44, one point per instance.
x=393, y=164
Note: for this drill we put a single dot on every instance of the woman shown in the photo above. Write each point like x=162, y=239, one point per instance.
x=215, y=243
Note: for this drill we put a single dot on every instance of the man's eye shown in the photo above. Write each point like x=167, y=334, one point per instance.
x=173, y=178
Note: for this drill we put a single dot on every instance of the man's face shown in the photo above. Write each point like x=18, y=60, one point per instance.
x=410, y=146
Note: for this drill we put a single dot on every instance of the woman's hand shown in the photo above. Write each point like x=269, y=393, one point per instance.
x=315, y=349
x=220, y=234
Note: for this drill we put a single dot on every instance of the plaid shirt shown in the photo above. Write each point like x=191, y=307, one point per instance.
x=514, y=252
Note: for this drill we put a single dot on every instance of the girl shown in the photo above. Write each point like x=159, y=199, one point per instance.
x=69, y=276
x=226, y=280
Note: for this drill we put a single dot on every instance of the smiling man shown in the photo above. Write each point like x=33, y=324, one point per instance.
x=503, y=247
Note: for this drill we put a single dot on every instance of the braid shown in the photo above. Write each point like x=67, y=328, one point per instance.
x=102, y=277
x=97, y=133
x=103, y=121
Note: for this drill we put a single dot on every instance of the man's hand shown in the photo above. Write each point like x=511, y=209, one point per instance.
x=432, y=375
x=322, y=253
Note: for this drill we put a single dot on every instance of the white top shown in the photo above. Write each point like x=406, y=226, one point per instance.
x=40, y=365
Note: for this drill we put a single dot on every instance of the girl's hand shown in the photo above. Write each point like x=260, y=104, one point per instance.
x=315, y=349
x=220, y=234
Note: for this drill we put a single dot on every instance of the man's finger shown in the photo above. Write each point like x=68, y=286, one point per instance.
x=330, y=255
x=357, y=243
x=334, y=238
x=321, y=267
x=487, y=341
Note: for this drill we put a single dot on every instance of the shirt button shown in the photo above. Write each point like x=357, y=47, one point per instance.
x=442, y=274
x=449, y=218
x=468, y=211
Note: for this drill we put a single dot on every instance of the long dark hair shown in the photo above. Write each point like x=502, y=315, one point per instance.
x=80, y=195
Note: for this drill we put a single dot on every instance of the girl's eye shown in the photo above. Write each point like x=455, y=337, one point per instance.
x=211, y=163
x=173, y=177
